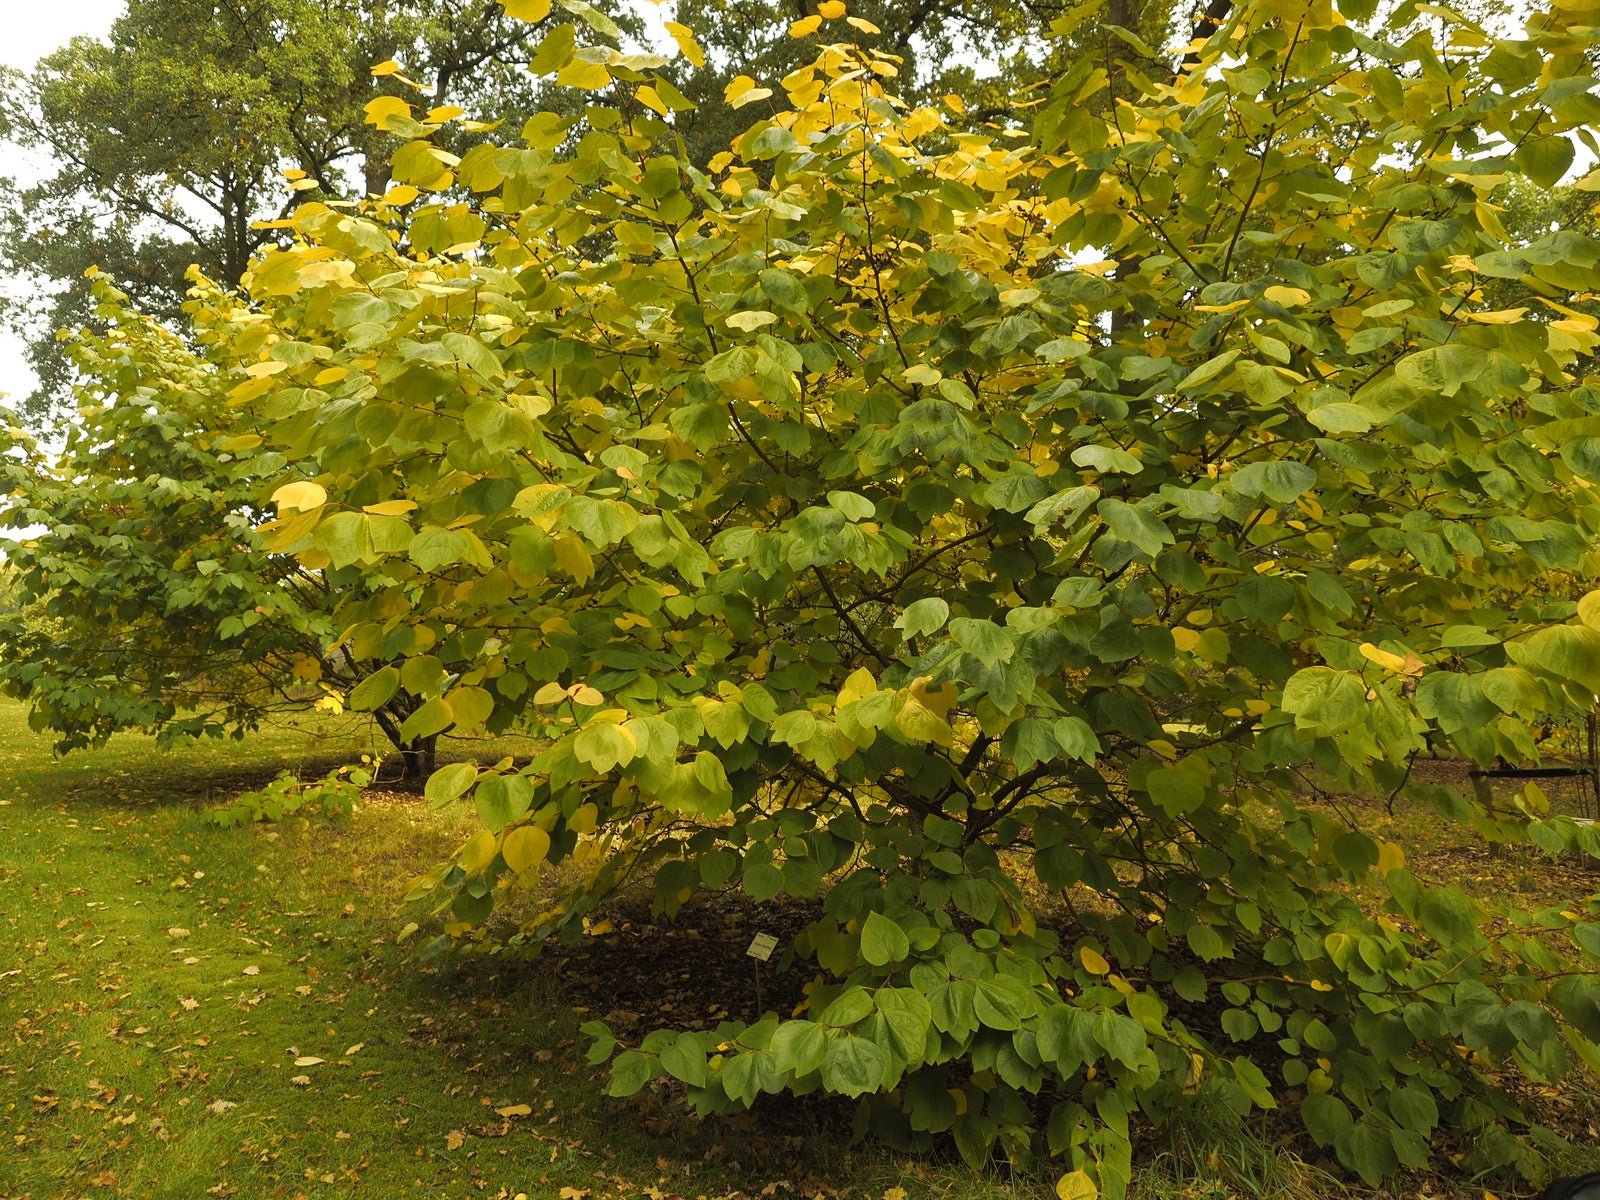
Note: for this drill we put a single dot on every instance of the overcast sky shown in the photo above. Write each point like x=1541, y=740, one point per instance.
x=33, y=29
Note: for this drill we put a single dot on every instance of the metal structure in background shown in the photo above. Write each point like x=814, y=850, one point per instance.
x=1589, y=770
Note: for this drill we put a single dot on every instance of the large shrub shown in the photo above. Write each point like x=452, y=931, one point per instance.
x=989, y=538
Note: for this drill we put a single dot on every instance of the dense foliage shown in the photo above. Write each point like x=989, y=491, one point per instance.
x=1002, y=543
x=164, y=144
x=136, y=596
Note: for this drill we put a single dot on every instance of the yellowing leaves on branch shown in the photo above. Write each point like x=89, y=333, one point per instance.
x=936, y=526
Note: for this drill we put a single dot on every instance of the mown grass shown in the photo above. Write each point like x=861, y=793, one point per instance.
x=160, y=978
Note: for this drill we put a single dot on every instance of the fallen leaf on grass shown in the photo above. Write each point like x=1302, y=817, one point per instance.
x=308, y=1060
x=356, y=1049
x=221, y=1106
x=177, y=932
x=252, y=970
x=300, y=1080
x=189, y=1003
x=515, y=1110
x=454, y=1140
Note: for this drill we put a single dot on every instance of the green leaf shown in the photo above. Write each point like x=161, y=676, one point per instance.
x=989, y=643
x=1120, y=1037
x=1447, y=914
x=1002, y=1003
x=450, y=782
x=605, y=747
x=853, y=1066
x=431, y=718
x=924, y=616
x=1325, y=702
x=1136, y=526
x=1567, y=652
x=1326, y=1117
x=909, y=1018
x=375, y=690
x=1279, y=481
x=882, y=941
x=1545, y=160
x=799, y=1047
x=501, y=799
x=630, y=1071
x=685, y=1059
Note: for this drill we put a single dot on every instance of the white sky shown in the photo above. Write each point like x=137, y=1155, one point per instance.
x=32, y=30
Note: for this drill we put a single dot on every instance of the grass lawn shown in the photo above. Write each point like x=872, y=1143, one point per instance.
x=190, y=1011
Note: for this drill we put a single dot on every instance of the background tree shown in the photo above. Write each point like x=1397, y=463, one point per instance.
x=142, y=603
x=166, y=143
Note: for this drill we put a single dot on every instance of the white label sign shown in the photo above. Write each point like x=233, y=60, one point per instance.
x=762, y=947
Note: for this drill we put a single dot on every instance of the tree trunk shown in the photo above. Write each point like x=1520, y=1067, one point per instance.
x=418, y=759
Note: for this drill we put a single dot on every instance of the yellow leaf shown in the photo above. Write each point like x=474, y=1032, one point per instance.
x=584, y=819
x=587, y=696
x=390, y=508
x=955, y=103
x=550, y=693
x=863, y=24
x=1093, y=961
x=736, y=87
x=859, y=684
x=921, y=374
x=1076, y=1185
x=805, y=27
x=1500, y=316
x=746, y=321
x=330, y=375
x=651, y=99
x=1185, y=639
x=586, y=76
x=309, y=1060
x=920, y=724
x=1589, y=610
x=527, y=10
x=1289, y=297
x=1390, y=857
x=574, y=558
x=301, y=496
x=383, y=109
x=525, y=847
x=515, y=1110
x=938, y=701
x=830, y=10
x=478, y=853
x=751, y=96
x=400, y=194
x=387, y=67
x=1386, y=660
x=684, y=36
